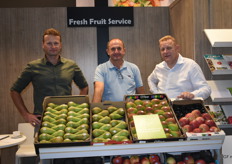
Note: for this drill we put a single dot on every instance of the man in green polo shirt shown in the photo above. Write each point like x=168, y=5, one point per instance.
x=50, y=76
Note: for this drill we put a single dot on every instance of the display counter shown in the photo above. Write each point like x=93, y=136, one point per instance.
x=127, y=149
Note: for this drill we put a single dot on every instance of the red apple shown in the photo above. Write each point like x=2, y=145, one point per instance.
x=168, y=114
x=170, y=120
x=190, y=116
x=149, y=109
x=164, y=103
x=204, y=127
x=183, y=121
x=132, y=110
x=140, y=107
x=200, y=161
x=197, y=130
x=154, y=158
x=126, y=161
x=130, y=116
x=145, y=160
x=157, y=162
x=117, y=160
x=134, y=159
x=189, y=159
x=147, y=103
x=194, y=124
x=156, y=106
x=166, y=130
x=141, y=112
x=162, y=118
x=180, y=162
x=196, y=112
x=200, y=119
x=166, y=108
x=187, y=128
x=206, y=116
x=155, y=101
x=164, y=124
x=210, y=123
x=132, y=123
x=213, y=129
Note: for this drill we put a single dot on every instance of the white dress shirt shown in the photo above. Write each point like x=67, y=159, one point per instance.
x=185, y=76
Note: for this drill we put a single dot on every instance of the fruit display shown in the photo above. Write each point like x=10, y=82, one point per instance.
x=109, y=124
x=217, y=114
x=202, y=157
x=65, y=123
x=138, y=159
x=195, y=118
x=153, y=104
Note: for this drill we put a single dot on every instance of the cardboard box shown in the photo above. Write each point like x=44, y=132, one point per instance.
x=58, y=100
x=148, y=134
x=104, y=106
x=183, y=107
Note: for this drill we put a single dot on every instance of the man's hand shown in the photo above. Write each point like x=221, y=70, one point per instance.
x=186, y=95
x=33, y=119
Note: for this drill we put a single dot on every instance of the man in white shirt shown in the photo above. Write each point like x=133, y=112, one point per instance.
x=177, y=76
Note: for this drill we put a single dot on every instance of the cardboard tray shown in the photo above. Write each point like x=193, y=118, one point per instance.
x=60, y=100
x=160, y=96
x=182, y=107
x=105, y=105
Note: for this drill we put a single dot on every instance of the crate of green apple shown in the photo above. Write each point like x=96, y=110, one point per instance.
x=195, y=120
x=154, y=104
x=138, y=159
x=109, y=124
x=64, y=122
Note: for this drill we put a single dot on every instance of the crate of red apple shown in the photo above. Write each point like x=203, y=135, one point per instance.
x=195, y=120
x=158, y=104
x=138, y=159
x=200, y=157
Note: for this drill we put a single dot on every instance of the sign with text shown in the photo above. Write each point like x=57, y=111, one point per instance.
x=148, y=127
x=99, y=16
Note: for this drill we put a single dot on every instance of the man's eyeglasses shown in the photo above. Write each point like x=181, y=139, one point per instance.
x=120, y=76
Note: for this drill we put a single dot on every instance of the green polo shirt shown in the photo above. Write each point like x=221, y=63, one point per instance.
x=49, y=80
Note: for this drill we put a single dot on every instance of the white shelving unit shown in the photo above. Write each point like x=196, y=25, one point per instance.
x=219, y=37
x=127, y=149
x=220, y=91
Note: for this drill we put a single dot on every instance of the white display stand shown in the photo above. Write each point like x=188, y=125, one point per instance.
x=226, y=150
x=128, y=149
x=219, y=37
x=220, y=93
